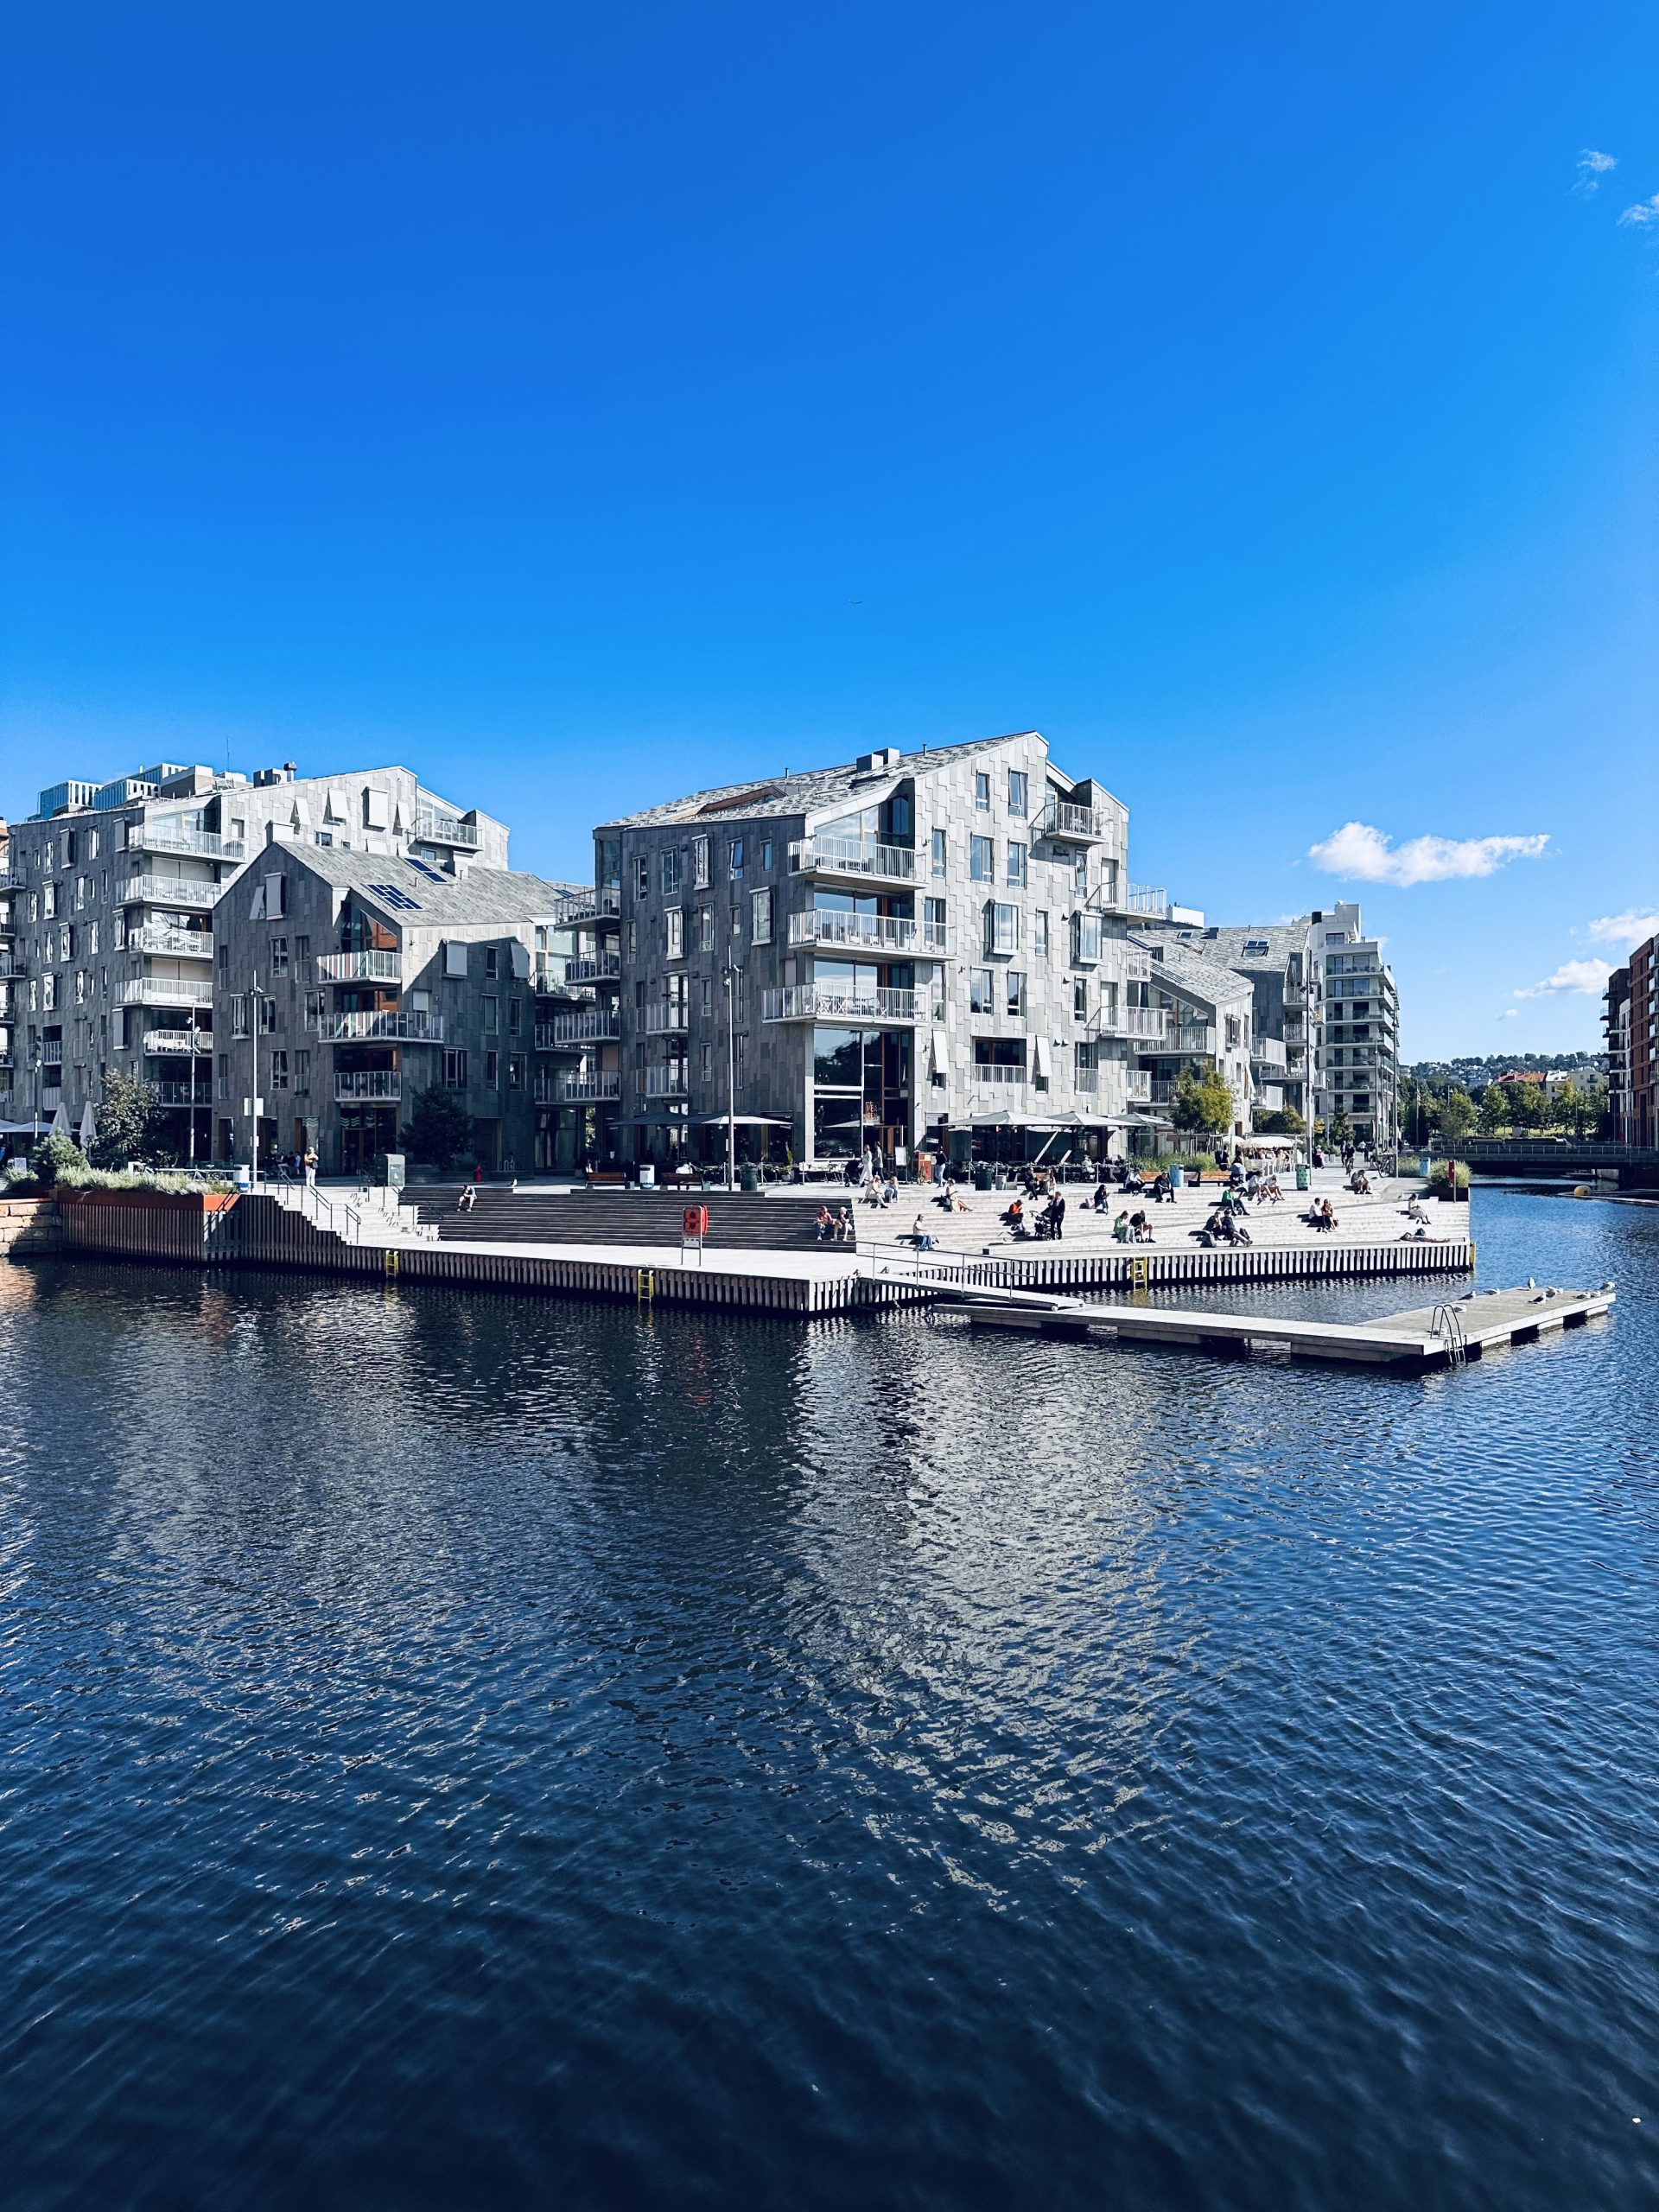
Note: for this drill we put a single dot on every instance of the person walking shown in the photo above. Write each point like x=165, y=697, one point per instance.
x=1057, y=1213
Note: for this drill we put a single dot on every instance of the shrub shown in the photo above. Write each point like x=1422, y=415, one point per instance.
x=1439, y=1180
x=54, y=1157
x=127, y=1119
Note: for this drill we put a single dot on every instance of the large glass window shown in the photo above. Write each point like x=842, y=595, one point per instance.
x=981, y=860
x=982, y=991
x=1016, y=862
x=1001, y=927
x=938, y=851
x=1017, y=790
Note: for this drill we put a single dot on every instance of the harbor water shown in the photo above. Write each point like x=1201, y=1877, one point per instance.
x=465, y=1751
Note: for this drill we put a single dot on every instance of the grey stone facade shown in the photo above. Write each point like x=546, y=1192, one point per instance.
x=921, y=948
x=352, y=981
x=112, y=890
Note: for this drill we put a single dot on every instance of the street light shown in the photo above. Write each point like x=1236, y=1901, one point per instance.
x=729, y=981
x=254, y=996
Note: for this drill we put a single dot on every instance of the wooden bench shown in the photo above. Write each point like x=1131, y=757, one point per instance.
x=594, y=1176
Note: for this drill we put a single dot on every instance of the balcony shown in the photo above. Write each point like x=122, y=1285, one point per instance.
x=176, y=1041
x=12, y=965
x=1060, y=819
x=1087, y=1079
x=894, y=934
x=1150, y=900
x=1138, y=1092
x=169, y=891
x=1268, y=1053
x=51, y=1053
x=173, y=945
x=859, y=857
x=664, y=1020
x=1137, y=967
x=602, y=903
x=385, y=1085
x=390, y=1027
x=446, y=829
x=827, y=1002
x=567, y=1033
x=163, y=837
x=665, y=1083
x=578, y=1089
x=1190, y=1039
x=163, y=991
x=1149, y=1024
x=593, y=967
x=361, y=967
x=185, y=1094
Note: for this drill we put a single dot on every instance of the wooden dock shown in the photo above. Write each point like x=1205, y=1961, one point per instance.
x=1425, y=1338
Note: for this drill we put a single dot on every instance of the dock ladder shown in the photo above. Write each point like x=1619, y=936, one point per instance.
x=1448, y=1324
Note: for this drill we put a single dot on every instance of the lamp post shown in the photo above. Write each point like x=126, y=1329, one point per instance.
x=192, y=1109
x=255, y=994
x=731, y=1073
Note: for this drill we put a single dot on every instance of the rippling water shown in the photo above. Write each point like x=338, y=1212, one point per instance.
x=477, y=1753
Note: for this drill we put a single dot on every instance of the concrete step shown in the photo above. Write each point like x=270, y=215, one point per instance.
x=737, y=1221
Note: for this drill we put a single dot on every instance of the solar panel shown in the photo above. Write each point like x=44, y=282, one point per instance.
x=394, y=897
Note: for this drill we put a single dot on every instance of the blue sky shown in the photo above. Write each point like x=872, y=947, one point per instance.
x=582, y=405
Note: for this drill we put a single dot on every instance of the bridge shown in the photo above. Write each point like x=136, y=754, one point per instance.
x=1635, y=1164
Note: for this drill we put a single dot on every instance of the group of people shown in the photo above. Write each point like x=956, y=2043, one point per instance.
x=1133, y=1229
x=1047, y=1220
x=836, y=1228
x=881, y=1190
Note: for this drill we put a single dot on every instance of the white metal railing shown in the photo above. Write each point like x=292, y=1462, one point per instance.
x=11, y=965
x=445, y=829
x=576, y=1087
x=168, y=891
x=1137, y=967
x=600, y=904
x=987, y=1076
x=184, y=1094
x=1087, y=1078
x=176, y=1041
x=1149, y=898
x=1061, y=818
x=664, y=1020
x=51, y=1052
x=179, y=945
x=830, y=1002
x=852, y=856
x=592, y=966
x=573, y=1029
x=158, y=837
x=1146, y=1023
x=360, y=967
x=161, y=990
x=395, y=1027
x=1268, y=1053
x=368, y=1082
x=665, y=1083
x=1139, y=1091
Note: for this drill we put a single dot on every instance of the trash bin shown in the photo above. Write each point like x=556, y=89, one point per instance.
x=1176, y=1177
x=647, y=1175
x=982, y=1176
x=1301, y=1178
x=748, y=1176
x=244, y=1177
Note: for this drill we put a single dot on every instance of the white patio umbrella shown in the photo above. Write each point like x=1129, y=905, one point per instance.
x=87, y=1132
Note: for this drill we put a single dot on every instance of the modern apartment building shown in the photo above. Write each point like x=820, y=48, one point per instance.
x=1198, y=1017
x=1631, y=1018
x=11, y=1109
x=113, y=888
x=346, y=982
x=926, y=949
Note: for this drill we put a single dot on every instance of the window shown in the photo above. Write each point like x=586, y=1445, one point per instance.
x=302, y=1070
x=267, y=1016
x=313, y=1009
x=515, y=1071
x=706, y=1063
x=1085, y=938
x=50, y=897
x=706, y=929
x=700, y=863
x=279, y=1071
x=492, y=1070
x=760, y=917
x=302, y=954
x=982, y=792
x=739, y=1055
x=673, y=862
x=766, y=853
x=674, y=923
x=1001, y=927
x=454, y=958
x=981, y=991
x=492, y=1016
x=92, y=940
x=224, y=964
x=1039, y=934
x=279, y=955
x=642, y=877
x=1016, y=862
x=1017, y=791
x=938, y=851
x=981, y=860
x=1080, y=871
x=1080, y=998
x=491, y=963
x=735, y=858
x=707, y=995
x=224, y=1074
x=1016, y=990
x=239, y=1024
x=1255, y=946
x=454, y=1070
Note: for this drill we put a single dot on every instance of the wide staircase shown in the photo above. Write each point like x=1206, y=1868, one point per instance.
x=738, y=1220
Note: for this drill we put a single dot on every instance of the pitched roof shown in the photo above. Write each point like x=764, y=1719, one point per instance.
x=809, y=793
x=1181, y=970
x=427, y=897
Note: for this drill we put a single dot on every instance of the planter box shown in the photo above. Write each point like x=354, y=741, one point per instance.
x=169, y=1225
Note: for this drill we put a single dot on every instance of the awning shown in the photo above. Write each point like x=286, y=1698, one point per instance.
x=743, y=1121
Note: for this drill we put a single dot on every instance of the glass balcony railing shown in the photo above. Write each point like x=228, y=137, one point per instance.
x=857, y=856
x=384, y=1084
x=392, y=1027
x=361, y=967
x=832, y=1002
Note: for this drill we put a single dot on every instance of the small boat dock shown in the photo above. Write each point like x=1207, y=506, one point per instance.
x=1414, y=1342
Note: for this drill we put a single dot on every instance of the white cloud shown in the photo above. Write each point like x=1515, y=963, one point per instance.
x=1510, y=1013
x=1643, y=215
x=1624, y=930
x=1366, y=856
x=1587, y=976
x=1593, y=167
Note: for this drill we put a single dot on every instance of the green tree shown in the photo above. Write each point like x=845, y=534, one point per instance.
x=128, y=1119
x=1288, y=1123
x=1454, y=1115
x=1495, y=1109
x=1201, y=1099
x=1342, y=1129
x=437, y=1129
